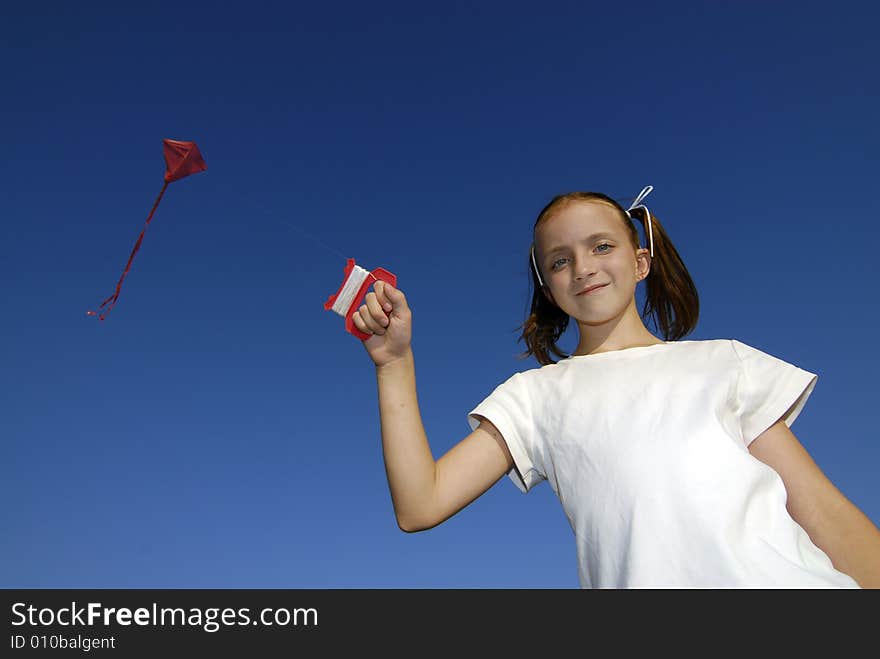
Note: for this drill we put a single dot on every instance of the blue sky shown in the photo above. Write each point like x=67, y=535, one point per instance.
x=220, y=429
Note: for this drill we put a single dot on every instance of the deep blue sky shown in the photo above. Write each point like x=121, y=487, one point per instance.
x=220, y=429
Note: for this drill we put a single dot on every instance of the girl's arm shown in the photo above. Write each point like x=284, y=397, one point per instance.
x=833, y=522
x=424, y=492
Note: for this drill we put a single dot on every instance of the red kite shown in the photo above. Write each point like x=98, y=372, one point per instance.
x=181, y=160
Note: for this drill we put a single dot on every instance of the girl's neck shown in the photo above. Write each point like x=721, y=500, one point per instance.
x=608, y=348
x=630, y=333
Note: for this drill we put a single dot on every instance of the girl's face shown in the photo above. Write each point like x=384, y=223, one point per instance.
x=585, y=244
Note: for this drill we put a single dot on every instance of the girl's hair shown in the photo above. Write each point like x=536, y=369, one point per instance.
x=671, y=296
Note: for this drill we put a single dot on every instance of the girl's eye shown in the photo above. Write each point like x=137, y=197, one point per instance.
x=558, y=263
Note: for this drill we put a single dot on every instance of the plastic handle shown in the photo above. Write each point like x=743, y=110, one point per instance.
x=382, y=275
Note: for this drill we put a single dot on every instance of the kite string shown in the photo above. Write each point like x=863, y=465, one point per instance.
x=273, y=215
x=319, y=241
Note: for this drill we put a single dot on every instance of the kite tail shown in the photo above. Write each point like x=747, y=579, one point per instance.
x=112, y=299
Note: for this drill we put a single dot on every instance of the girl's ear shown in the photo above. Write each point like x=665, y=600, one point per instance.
x=643, y=264
x=546, y=290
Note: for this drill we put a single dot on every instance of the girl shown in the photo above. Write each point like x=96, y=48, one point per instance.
x=673, y=460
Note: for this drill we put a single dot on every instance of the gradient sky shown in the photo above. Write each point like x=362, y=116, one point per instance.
x=220, y=429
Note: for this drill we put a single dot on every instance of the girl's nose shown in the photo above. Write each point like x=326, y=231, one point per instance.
x=583, y=266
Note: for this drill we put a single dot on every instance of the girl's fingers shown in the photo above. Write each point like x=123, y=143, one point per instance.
x=382, y=293
x=359, y=323
x=376, y=310
x=395, y=297
x=369, y=321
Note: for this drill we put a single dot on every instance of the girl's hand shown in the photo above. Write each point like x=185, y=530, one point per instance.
x=387, y=317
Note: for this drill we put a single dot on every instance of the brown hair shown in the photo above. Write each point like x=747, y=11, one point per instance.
x=671, y=296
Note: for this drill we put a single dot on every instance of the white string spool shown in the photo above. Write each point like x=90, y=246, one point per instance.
x=349, y=289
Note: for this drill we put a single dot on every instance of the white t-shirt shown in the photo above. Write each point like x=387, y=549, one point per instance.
x=646, y=449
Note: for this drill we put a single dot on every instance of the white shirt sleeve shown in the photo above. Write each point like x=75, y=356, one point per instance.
x=768, y=389
x=509, y=408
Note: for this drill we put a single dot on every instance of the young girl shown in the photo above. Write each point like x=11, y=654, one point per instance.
x=673, y=460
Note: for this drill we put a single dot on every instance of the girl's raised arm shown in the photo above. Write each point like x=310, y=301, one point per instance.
x=424, y=492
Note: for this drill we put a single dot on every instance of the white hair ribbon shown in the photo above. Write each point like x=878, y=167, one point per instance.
x=636, y=204
x=535, y=266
